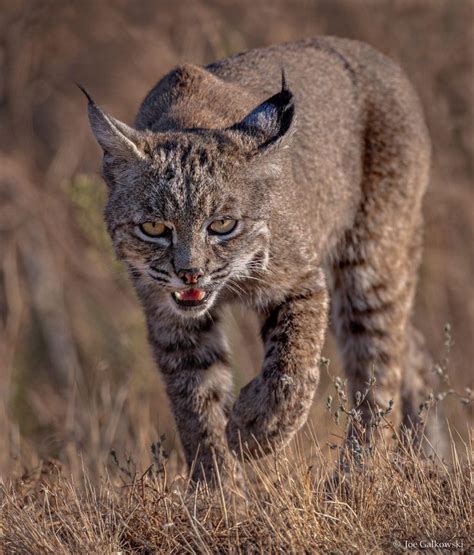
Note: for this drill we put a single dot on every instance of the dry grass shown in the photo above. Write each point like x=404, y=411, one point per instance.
x=97, y=499
x=292, y=506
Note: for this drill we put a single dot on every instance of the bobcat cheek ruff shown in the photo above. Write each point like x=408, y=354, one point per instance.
x=233, y=188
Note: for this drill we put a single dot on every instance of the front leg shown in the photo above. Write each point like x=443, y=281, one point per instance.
x=193, y=358
x=274, y=405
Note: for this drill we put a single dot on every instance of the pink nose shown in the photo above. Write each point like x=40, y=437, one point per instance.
x=190, y=275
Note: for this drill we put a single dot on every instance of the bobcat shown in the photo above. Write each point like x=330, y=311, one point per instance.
x=226, y=191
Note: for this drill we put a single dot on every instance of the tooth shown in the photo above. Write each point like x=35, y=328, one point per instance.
x=178, y=295
x=201, y=295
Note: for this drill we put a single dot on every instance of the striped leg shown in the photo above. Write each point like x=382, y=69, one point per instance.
x=193, y=358
x=273, y=406
x=374, y=288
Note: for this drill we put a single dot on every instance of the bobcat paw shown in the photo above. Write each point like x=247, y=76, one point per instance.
x=264, y=416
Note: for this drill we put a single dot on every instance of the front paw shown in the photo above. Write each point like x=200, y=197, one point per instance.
x=262, y=417
x=247, y=418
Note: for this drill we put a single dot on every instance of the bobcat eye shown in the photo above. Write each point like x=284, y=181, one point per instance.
x=154, y=229
x=222, y=227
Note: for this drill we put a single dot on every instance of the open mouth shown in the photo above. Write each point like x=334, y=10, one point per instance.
x=190, y=298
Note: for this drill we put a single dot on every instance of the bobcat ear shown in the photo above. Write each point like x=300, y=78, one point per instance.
x=115, y=138
x=271, y=121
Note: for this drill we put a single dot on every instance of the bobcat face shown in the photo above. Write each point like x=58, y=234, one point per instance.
x=188, y=210
x=187, y=226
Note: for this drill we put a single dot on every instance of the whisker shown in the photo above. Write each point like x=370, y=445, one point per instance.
x=232, y=287
x=237, y=286
x=260, y=280
x=211, y=317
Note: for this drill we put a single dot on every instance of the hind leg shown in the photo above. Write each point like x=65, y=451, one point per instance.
x=374, y=285
x=372, y=303
x=372, y=310
x=375, y=272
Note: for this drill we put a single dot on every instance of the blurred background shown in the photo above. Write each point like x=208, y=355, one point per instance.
x=76, y=376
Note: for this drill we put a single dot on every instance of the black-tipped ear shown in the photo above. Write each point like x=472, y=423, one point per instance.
x=115, y=138
x=272, y=120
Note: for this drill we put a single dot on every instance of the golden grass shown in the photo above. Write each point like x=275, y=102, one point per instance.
x=292, y=505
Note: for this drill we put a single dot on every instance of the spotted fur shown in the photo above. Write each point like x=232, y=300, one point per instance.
x=326, y=181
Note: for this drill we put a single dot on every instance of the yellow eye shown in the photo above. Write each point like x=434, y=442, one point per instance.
x=222, y=227
x=154, y=229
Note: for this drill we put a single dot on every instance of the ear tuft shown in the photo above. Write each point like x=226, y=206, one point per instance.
x=115, y=137
x=272, y=120
x=284, y=86
x=86, y=94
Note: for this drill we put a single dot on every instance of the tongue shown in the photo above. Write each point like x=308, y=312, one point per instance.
x=191, y=295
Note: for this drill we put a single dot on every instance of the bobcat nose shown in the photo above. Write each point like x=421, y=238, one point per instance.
x=190, y=276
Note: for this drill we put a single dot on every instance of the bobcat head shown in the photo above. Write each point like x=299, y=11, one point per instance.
x=188, y=209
